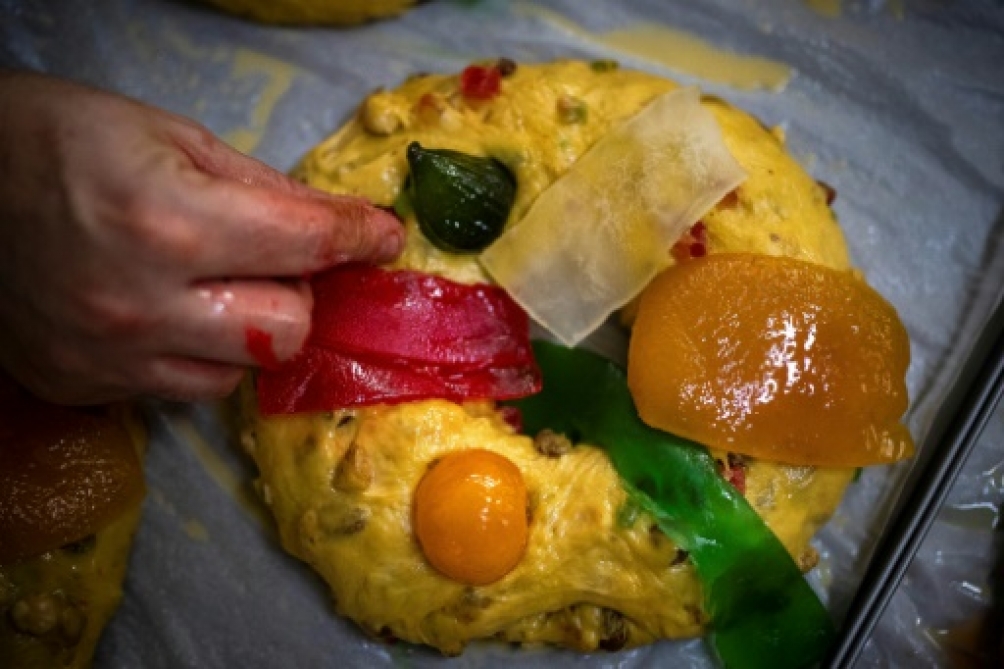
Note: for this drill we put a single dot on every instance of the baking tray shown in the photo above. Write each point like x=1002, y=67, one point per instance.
x=899, y=105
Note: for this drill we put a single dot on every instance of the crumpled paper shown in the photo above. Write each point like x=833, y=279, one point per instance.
x=898, y=105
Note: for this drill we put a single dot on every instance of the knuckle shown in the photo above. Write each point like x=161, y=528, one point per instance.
x=164, y=238
x=136, y=213
x=114, y=317
x=178, y=241
x=201, y=136
x=150, y=225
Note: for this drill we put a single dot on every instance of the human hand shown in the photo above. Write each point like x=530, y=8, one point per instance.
x=139, y=254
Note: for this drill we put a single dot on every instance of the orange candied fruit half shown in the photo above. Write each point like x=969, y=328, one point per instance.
x=65, y=473
x=470, y=516
x=774, y=358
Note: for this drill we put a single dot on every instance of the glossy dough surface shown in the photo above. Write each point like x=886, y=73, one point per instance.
x=595, y=574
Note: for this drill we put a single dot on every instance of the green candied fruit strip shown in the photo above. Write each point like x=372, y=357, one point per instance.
x=763, y=612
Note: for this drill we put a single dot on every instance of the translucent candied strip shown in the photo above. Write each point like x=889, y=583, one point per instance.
x=594, y=239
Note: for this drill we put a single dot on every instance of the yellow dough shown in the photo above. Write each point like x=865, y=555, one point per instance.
x=55, y=606
x=595, y=574
x=314, y=12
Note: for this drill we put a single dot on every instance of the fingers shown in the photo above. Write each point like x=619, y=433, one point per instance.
x=248, y=323
x=188, y=379
x=171, y=378
x=264, y=223
x=250, y=231
x=221, y=328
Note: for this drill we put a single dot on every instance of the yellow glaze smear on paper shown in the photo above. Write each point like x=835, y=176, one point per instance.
x=196, y=531
x=183, y=45
x=270, y=77
x=278, y=77
x=833, y=9
x=687, y=53
x=828, y=8
x=680, y=51
x=226, y=477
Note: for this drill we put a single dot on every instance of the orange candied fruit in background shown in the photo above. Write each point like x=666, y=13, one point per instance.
x=470, y=516
x=65, y=473
x=774, y=358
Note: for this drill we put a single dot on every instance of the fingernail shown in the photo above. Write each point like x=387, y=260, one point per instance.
x=385, y=217
x=392, y=244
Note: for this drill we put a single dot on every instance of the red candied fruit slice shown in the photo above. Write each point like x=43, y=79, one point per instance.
x=321, y=379
x=480, y=83
x=417, y=316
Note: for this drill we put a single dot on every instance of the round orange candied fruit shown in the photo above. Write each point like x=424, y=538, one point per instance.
x=774, y=358
x=470, y=516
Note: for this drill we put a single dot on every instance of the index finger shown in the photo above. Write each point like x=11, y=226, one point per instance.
x=257, y=231
x=256, y=221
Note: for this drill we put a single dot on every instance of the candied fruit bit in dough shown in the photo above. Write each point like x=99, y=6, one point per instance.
x=470, y=516
x=772, y=357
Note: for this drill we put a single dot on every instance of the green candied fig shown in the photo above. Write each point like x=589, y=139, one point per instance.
x=461, y=202
x=763, y=613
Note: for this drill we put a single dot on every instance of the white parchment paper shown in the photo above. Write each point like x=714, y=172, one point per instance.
x=899, y=105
